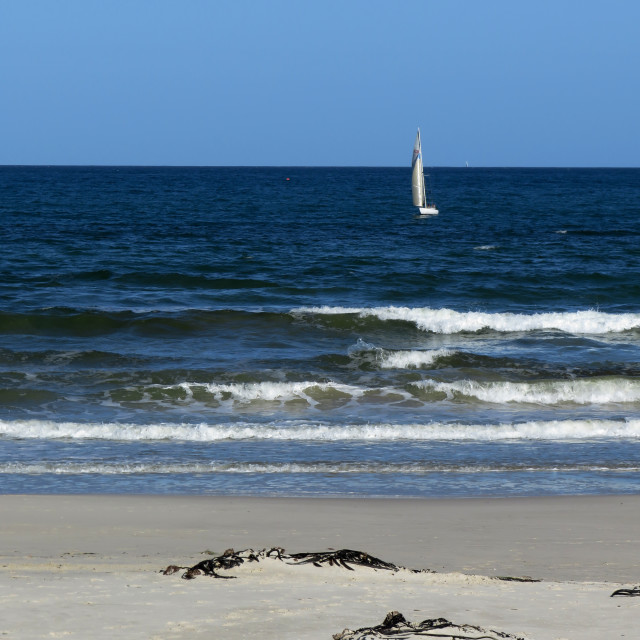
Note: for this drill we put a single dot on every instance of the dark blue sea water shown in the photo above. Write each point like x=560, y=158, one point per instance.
x=298, y=331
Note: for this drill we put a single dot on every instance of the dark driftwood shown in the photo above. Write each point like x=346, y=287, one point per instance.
x=396, y=626
x=626, y=592
x=230, y=559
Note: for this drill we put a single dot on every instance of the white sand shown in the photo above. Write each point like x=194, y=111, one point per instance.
x=88, y=566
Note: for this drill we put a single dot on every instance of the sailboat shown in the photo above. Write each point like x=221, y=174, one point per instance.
x=418, y=189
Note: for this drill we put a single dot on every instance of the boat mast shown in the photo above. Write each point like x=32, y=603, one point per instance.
x=424, y=186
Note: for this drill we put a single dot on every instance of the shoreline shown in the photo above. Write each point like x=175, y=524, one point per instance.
x=97, y=558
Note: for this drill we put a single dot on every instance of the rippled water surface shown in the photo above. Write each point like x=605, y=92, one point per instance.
x=298, y=331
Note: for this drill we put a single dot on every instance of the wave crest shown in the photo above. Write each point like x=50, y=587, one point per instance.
x=447, y=321
x=550, y=392
x=321, y=431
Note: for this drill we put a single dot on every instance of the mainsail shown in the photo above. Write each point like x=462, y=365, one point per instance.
x=417, y=176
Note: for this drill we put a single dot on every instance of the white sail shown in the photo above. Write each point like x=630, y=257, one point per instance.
x=418, y=189
x=417, y=175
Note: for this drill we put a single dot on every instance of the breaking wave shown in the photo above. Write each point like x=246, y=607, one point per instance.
x=250, y=396
x=586, y=391
x=447, y=321
x=322, y=431
x=312, y=394
x=400, y=359
x=412, y=359
x=63, y=321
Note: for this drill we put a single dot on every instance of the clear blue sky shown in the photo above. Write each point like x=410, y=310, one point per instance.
x=330, y=82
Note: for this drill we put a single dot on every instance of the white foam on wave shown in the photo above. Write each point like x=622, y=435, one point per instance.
x=68, y=468
x=313, y=393
x=321, y=431
x=406, y=359
x=412, y=359
x=267, y=391
x=449, y=321
x=551, y=392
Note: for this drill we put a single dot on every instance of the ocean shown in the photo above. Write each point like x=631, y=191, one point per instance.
x=299, y=332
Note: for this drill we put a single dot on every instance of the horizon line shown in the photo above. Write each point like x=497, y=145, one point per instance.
x=304, y=166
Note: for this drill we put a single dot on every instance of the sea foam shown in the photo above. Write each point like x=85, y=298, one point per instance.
x=271, y=468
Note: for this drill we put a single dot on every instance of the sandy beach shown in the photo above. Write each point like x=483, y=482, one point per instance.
x=90, y=566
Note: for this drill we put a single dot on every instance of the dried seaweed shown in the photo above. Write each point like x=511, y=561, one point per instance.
x=635, y=591
x=210, y=567
x=396, y=626
x=342, y=558
x=230, y=559
x=518, y=579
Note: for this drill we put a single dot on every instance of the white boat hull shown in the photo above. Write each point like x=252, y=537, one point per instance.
x=428, y=211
